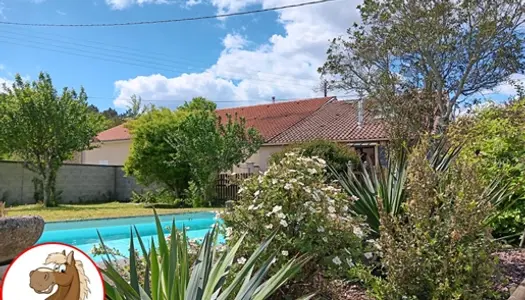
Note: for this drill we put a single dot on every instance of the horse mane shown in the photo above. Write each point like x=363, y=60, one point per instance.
x=59, y=258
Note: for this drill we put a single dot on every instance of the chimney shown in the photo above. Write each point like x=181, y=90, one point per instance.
x=360, y=112
x=273, y=99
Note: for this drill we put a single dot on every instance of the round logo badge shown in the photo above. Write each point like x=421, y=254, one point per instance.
x=52, y=271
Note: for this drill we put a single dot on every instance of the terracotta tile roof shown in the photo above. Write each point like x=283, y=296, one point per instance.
x=269, y=119
x=335, y=121
x=117, y=133
x=272, y=119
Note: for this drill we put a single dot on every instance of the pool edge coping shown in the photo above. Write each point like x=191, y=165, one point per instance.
x=127, y=217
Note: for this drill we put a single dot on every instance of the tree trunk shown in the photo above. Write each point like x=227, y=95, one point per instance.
x=48, y=183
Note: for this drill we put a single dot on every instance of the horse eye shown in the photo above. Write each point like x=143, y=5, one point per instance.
x=62, y=269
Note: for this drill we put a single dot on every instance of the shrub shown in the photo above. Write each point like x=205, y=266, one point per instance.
x=493, y=140
x=311, y=216
x=439, y=246
x=160, y=198
x=335, y=154
x=170, y=275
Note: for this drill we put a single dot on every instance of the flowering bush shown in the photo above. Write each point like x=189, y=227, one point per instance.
x=311, y=217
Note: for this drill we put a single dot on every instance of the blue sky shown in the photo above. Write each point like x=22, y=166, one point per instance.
x=234, y=61
x=168, y=62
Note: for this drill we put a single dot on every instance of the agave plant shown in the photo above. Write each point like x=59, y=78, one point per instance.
x=169, y=274
x=385, y=186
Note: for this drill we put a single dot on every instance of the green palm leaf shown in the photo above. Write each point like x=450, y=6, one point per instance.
x=173, y=278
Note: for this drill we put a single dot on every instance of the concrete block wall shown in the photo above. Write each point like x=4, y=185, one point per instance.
x=77, y=183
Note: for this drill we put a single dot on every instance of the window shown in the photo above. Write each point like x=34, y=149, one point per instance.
x=366, y=153
x=103, y=162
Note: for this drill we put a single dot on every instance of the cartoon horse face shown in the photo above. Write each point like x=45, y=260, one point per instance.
x=43, y=280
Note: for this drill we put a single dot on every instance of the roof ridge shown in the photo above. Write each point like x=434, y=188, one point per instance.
x=332, y=99
x=277, y=103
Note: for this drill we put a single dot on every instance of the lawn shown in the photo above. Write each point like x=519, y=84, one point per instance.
x=92, y=211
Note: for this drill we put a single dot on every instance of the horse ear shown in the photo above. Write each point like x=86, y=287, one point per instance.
x=70, y=259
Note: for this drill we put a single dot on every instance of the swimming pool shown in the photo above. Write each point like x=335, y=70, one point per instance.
x=116, y=232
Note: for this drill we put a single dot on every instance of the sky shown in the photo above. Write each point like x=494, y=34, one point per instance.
x=233, y=61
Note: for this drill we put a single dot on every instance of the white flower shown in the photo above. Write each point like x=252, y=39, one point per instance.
x=260, y=179
x=284, y=223
x=345, y=208
x=331, y=209
x=251, y=207
x=293, y=180
x=281, y=215
x=337, y=260
x=322, y=161
x=290, y=154
x=368, y=255
x=358, y=232
x=269, y=226
x=307, y=189
x=268, y=214
x=312, y=210
x=274, y=181
x=325, y=239
x=312, y=171
x=240, y=190
x=241, y=260
x=256, y=193
x=354, y=197
x=274, y=260
x=276, y=209
x=320, y=229
x=284, y=253
x=350, y=262
x=229, y=231
x=288, y=186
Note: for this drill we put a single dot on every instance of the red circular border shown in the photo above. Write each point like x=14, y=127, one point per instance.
x=50, y=243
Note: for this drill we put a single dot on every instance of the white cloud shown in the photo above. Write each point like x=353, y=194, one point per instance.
x=234, y=41
x=2, y=9
x=61, y=12
x=509, y=88
x=193, y=2
x=123, y=4
x=6, y=81
x=285, y=66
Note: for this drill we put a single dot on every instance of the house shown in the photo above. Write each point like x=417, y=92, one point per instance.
x=280, y=124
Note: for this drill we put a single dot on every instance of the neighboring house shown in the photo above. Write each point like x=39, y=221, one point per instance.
x=280, y=124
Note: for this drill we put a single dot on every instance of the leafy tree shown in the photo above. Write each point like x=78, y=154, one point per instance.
x=208, y=145
x=188, y=144
x=135, y=108
x=150, y=152
x=419, y=59
x=493, y=139
x=44, y=128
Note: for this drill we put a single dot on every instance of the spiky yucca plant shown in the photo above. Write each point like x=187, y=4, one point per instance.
x=385, y=186
x=173, y=277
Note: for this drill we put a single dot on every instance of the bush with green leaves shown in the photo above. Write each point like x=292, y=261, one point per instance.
x=169, y=273
x=312, y=217
x=493, y=140
x=160, y=198
x=439, y=245
x=335, y=154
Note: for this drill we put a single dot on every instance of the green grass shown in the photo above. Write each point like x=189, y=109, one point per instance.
x=93, y=211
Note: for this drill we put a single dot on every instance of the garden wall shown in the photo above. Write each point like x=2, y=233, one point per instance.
x=77, y=183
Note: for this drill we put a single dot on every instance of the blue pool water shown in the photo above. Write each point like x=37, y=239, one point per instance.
x=116, y=232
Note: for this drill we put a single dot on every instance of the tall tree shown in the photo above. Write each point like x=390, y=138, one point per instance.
x=135, y=108
x=45, y=128
x=419, y=59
